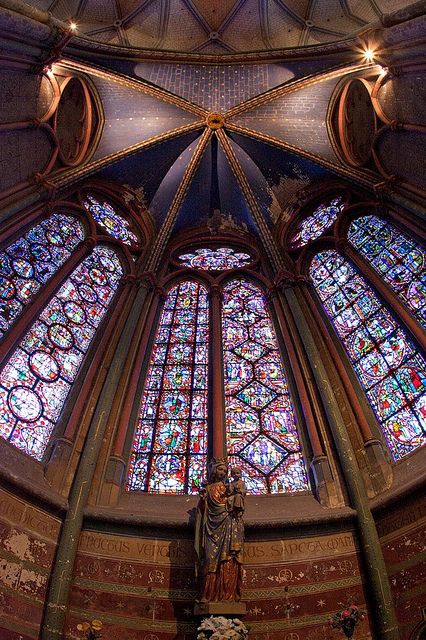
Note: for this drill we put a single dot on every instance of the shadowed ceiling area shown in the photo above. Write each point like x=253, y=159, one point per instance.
x=220, y=27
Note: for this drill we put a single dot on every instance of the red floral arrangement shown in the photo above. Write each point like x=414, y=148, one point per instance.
x=347, y=619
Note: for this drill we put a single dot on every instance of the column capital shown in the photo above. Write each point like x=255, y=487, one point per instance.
x=89, y=242
x=285, y=280
x=216, y=292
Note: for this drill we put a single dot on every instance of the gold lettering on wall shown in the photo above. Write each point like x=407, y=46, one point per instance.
x=17, y=512
x=180, y=552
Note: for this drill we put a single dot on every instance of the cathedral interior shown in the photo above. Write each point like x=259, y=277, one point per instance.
x=212, y=247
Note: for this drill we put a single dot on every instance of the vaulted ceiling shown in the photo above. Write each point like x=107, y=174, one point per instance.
x=220, y=26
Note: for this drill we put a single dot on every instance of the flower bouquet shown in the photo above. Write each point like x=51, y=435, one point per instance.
x=220, y=628
x=91, y=629
x=347, y=619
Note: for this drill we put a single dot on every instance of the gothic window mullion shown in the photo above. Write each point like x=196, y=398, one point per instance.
x=157, y=411
x=36, y=380
x=37, y=262
x=172, y=409
x=261, y=427
x=395, y=264
x=391, y=371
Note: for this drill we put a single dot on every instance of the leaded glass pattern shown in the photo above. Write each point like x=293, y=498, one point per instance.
x=219, y=259
x=29, y=262
x=389, y=367
x=112, y=222
x=170, y=445
x=396, y=258
x=262, y=436
x=319, y=221
x=37, y=378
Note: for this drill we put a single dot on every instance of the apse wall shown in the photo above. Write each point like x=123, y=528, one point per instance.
x=140, y=582
x=134, y=568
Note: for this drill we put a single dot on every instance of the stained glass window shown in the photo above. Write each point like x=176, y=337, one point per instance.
x=112, y=222
x=169, y=449
x=318, y=222
x=398, y=260
x=262, y=435
x=36, y=380
x=32, y=260
x=215, y=259
x=388, y=365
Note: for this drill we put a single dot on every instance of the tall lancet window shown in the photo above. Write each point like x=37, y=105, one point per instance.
x=36, y=380
x=390, y=369
x=396, y=258
x=31, y=260
x=170, y=445
x=262, y=436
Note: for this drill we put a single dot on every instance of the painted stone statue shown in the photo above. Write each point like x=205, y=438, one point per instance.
x=220, y=534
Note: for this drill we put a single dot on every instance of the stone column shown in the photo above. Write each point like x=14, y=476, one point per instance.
x=382, y=609
x=216, y=374
x=57, y=599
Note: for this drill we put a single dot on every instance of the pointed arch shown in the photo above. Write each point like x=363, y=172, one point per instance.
x=170, y=444
x=396, y=258
x=38, y=376
x=389, y=368
x=262, y=435
x=31, y=261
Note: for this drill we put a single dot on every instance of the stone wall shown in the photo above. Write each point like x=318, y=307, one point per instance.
x=402, y=532
x=28, y=539
x=143, y=588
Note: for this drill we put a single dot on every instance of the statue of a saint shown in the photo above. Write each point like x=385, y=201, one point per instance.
x=220, y=534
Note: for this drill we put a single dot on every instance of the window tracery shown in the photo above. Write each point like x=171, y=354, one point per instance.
x=261, y=434
x=116, y=225
x=37, y=378
x=395, y=257
x=30, y=261
x=389, y=367
x=314, y=225
x=220, y=259
x=170, y=445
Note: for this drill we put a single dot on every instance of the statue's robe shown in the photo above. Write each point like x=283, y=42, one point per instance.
x=219, y=547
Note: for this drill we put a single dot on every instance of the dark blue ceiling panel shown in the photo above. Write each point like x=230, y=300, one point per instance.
x=165, y=193
x=258, y=183
x=132, y=116
x=278, y=164
x=197, y=205
x=217, y=87
x=145, y=170
x=232, y=201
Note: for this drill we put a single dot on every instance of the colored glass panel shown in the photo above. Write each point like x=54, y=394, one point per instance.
x=170, y=445
x=215, y=259
x=31, y=261
x=112, y=222
x=36, y=380
x=262, y=436
x=319, y=221
x=396, y=258
x=389, y=367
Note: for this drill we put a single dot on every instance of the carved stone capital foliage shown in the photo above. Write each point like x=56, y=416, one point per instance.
x=216, y=292
x=387, y=186
x=89, y=242
x=148, y=280
x=42, y=181
x=287, y=280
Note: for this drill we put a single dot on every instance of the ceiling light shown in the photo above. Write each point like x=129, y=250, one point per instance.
x=73, y=26
x=369, y=55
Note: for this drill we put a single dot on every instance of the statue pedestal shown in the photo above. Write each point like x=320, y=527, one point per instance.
x=226, y=608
